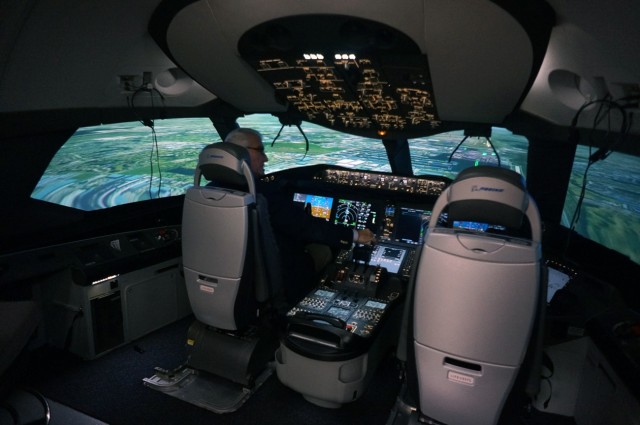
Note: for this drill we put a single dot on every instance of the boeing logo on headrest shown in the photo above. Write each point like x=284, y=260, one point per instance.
x=475, y=188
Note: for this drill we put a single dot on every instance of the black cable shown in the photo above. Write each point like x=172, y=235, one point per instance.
x=590, y=162
x=605, y=150
x=601, y=154
x=457, y=147
x=147, y=122
x=305, y=140
x=583, y=190
x=154, y=148
x=154, y=145
x=490, y=144
x=301, y=132
x=494, y=151
x=151, y=91
x=277, y=135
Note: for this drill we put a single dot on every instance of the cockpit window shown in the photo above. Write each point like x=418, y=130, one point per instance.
x=608, y=213
x=429, y=155
x=443, y=155
x=326, y=146
x=108, y=165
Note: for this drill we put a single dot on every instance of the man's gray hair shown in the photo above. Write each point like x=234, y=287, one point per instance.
x=241, y=136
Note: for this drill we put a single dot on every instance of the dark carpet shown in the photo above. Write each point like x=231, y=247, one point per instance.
x=110, y=389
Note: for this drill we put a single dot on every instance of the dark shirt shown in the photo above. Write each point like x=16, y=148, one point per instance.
x=296, y=224
x=294, y=229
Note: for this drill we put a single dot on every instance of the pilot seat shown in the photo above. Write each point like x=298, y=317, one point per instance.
x=479, y=301
x=233, y=283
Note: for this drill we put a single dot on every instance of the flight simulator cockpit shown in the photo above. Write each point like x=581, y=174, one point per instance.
x=338, y=333
x=343, y=327
x=332, y=340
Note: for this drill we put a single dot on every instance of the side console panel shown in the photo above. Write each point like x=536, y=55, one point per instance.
x=98, y=294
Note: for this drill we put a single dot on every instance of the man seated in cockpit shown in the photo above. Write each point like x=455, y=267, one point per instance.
x=304, y=241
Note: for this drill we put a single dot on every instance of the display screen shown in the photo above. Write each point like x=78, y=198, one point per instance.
x=478, y=227
x=411, y=225
x=355, y=214
x=471, y=225
x=375, y=304
x=559, y=276
x=387, y=256
x=324, y=294
x=340, y=313
x=317, y=206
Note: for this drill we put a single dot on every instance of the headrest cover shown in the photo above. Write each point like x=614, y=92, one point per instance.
x=505, y=174
x=490, y=195
x=222, y=164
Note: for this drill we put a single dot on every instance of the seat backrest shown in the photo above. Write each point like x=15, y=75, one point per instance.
x=489, y=195
x=219, y=248
x=477, y=297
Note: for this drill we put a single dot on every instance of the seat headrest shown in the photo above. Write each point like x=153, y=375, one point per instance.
x=225, y=165
x=489, y=195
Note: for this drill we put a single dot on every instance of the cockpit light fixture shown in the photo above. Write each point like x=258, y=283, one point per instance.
x=344, y=56
x=106, y=279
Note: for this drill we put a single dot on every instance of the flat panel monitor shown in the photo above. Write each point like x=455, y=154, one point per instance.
x=559, y=276
x=355, y=214
x=411, y=224
x=317, y=206
x=478, y=227
x=388, y=256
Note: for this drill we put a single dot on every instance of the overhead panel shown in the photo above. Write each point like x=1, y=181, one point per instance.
x=345, y=73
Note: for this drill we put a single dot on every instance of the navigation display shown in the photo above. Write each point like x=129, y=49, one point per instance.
x=411, y=225
x=560, y=275
x=556, y=281
x=471, y=225
x=358, y=214
x=477, y=227
x=317, y=206
x=340, y=313
x=387, y=256
x=375, y=304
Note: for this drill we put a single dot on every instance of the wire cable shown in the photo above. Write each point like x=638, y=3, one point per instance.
x=457, y=147
x=154, y=148
x=306, y=140
x=465, y=139
x=148, y=122
x=605, y=107
x=494, y=150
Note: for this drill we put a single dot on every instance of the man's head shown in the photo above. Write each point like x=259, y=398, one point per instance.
x=252, y=141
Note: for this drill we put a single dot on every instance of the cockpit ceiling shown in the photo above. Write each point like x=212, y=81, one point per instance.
x=401, y=66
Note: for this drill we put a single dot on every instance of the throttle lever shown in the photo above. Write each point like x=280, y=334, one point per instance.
x=331, y=320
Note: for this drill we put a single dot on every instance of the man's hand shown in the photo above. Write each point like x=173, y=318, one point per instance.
x=366, y=237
